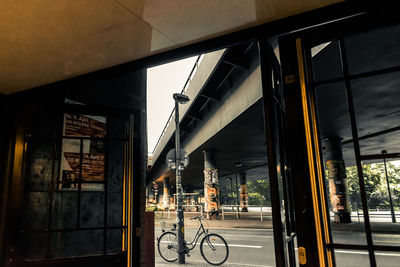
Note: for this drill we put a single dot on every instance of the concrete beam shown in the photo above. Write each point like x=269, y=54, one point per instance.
x=205, y=69
x=248, y=91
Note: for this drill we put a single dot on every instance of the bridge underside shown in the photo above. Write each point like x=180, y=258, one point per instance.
x=243, y=140
x=377, y=110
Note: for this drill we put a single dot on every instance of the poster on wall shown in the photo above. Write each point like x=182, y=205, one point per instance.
x=83, y=153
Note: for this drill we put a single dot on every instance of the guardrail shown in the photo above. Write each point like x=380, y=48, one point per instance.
x=192, y=72
x=225, y=210
x=198, y=209
x=235, y=211
x=378, y=211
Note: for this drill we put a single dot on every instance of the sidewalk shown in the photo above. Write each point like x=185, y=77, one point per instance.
x=221, y=224
x=251, y=222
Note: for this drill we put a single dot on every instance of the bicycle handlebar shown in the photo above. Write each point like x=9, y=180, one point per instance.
x=197, y=217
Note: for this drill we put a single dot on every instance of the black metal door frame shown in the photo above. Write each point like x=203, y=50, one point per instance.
x=279, y=175
x=22, y=144
x=303, y=138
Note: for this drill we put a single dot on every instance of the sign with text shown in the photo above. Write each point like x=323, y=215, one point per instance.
x=83, y=158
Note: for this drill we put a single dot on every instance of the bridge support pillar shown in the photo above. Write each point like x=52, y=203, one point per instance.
x=151, y=195
x=211, y=186
x=338, y=189
x=166, y=193
x=243, y=192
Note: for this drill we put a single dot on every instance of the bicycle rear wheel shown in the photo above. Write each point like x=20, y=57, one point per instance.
x=167, y=246
x=214, y=249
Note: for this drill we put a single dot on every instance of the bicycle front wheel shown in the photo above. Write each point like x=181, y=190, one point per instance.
x=167, y=246
x=214, y=249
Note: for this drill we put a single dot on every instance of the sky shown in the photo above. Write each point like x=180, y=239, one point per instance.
x=162, y=82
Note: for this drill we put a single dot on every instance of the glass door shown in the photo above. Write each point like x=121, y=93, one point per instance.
x=279, y=176
x=348, y=83
x=77, y=186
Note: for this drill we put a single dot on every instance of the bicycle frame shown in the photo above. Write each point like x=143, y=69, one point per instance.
x=200, y=231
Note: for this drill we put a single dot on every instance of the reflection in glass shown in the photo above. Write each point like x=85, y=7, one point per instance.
x=383, y=200
x=83, y=157
x=387, y=258
x=351, y=258
x=326, y=61
x=343, y=190
x=373, y=50
x=377, y=108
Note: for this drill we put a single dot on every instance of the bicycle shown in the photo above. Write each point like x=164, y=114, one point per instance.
x=213, y=247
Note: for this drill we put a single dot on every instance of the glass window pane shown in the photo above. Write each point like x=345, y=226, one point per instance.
x=116, y=127
x=65, y=210
x=35, y=210
x=92, y=209
x=373, y=50
x=115, y=166
x=93, y=163
x=90, y=165
x=377, y=107
x=114, y=241
x=326, y=62
x=343, y=190
x=351, y=258
x=32, y=246
x=387, y=258
x=114, y=210
x=77, y=243
x=84, y=125
x=383, y=216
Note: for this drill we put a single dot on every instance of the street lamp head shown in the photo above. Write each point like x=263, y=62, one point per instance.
x=181, y=98
x=238, y=164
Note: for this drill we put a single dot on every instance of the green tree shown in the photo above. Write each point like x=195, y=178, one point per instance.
x=258, y=192
x=375, y=184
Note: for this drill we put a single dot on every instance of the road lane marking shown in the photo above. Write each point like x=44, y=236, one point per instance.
x=233, y=263
x=242, y=246
x=229, y=245
x=252, y=236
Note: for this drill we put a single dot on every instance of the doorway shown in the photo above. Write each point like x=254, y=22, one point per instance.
x=342, y=96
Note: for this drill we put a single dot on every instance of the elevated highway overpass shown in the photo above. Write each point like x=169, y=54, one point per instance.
x=226, y=113
x=224, y=116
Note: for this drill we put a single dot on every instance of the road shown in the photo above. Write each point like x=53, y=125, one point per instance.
x=254, y=247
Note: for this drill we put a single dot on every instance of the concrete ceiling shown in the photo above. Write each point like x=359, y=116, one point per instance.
x=45, y=41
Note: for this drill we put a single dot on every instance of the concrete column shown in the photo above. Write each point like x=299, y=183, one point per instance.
x=156, y=193
x=151, y=195
x=147, y=195
x=338, y=189
x=211, y=186
x=166, y=193
x=243, y=192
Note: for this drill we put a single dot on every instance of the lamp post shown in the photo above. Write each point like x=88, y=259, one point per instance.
x=180, y=230
x=237, y=165
x=388, y=186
